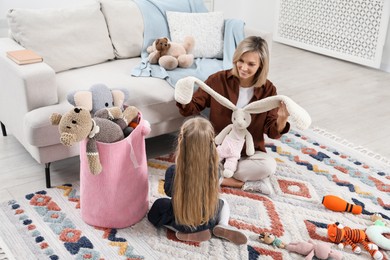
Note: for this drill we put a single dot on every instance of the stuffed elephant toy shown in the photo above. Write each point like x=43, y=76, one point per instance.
x=97, y=97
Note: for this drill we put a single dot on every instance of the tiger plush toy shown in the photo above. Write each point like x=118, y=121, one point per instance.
x=344, y=236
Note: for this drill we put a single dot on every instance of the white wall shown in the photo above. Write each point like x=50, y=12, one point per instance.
x=261, y=14
x=256, y=13
x=386, y=52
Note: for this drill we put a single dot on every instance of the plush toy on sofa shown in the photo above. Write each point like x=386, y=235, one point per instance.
x=313, y=249
x=231, y=139
x=171, y=55
x=78, y=124
x=162, y=46
x=344, y=236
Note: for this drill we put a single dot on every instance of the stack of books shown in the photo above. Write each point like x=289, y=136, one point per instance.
x=24, y=56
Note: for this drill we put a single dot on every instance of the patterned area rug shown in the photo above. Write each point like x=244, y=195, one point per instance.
x=46, y=224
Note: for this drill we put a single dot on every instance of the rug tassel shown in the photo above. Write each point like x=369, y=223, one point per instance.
x=343, y=141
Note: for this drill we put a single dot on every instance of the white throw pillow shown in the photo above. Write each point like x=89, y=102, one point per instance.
x=206, y=28
x=126, y=27
x=66, y=38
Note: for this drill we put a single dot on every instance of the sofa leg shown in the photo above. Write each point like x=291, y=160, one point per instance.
x=3, y=129
x=47, y=174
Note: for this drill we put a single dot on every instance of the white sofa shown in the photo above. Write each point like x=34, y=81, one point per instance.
x=99, y=42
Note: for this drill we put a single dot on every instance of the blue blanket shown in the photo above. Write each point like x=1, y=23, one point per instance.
x=156, y=26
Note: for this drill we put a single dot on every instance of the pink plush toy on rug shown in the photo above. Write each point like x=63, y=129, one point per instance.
x=310, y=249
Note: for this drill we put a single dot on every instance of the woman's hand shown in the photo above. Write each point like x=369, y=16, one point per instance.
x=283, y=115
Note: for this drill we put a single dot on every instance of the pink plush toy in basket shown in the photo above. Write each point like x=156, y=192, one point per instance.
x=118, y=196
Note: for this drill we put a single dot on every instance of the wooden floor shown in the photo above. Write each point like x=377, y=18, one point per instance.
x=348, y=100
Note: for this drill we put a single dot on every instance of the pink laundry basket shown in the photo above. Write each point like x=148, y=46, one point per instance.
x=118, y=196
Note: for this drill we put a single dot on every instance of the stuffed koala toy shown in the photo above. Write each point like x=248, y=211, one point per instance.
x=78, y=124
x=171, y=55
x=98, y=96
x=232, y=138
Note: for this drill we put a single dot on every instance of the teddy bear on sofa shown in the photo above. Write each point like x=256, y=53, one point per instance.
x=78, y=124
x=171, y=55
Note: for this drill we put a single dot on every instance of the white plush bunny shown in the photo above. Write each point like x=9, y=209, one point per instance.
x=231, y=139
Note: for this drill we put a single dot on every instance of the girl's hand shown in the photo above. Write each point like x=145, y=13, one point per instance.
x=283, y=115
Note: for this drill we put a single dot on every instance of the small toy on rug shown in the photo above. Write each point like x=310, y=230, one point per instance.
x=232, y=138
x=338, y=204
x=376, y=233
x=344, y=236
x=78, y=124
x=271, y=239
x=171, y=55
x=311, y=249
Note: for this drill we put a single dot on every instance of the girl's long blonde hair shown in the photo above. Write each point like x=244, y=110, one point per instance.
x=196, y=187
x=260, y=46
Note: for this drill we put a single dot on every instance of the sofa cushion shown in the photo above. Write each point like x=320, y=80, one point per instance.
x=54, y=32
x=208, y=41
x=126, y=27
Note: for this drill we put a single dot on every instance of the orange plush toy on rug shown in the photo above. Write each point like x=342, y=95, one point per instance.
x=344, y=236
x=338, y=204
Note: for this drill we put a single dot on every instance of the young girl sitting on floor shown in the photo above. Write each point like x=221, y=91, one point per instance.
x=193, y=185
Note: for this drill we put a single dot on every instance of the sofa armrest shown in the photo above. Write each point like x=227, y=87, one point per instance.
x=24, y=87
x=249, y=31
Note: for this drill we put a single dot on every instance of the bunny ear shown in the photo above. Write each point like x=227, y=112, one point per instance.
x=221, y=99
x=263, y=105
x=298, y=115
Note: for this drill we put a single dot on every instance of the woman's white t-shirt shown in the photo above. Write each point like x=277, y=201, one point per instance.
x=244, y=96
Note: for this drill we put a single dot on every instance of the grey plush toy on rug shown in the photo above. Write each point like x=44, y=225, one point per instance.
x=241, y=119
